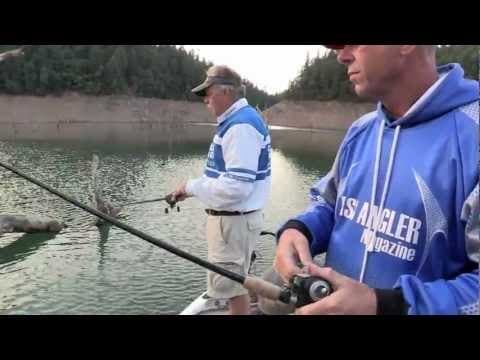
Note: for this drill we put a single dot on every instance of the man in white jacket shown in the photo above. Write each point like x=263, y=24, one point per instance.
x=236, y=183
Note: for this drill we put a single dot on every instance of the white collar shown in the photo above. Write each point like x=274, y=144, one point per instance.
x=240, y=104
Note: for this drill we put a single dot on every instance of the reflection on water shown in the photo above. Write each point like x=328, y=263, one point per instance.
x=20, y=249
x=90, y=270
x=102, y=243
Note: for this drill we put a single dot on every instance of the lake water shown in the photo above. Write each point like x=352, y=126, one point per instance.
x=84, y=270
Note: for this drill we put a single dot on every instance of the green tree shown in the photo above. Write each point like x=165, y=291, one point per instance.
x=159, y=71
x=323, y=78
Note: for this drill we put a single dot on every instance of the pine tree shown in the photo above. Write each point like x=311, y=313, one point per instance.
x=159, y=71
x=323, y=78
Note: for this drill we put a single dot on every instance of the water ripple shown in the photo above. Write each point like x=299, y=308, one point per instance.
x=86, y=270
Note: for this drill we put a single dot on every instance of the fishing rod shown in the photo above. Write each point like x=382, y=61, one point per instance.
x=166, y=198
x=304, y=289
x=172, y=204
x=169, y=199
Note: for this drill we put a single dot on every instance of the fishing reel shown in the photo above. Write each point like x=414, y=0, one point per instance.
x=307, y=289
x=304, y=290
x=170, y=199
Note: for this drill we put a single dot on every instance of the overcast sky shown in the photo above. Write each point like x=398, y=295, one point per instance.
x=269, y=67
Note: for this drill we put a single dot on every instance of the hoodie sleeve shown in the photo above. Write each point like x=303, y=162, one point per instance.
x=458, y=296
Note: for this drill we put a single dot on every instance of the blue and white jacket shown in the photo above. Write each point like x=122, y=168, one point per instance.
x=238, y=172
x=400, y=207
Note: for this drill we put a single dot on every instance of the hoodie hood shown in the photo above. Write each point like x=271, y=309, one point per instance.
x=450, y=92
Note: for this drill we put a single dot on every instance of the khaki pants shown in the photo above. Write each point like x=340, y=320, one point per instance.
x=231, y=242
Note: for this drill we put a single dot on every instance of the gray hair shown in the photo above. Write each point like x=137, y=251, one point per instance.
x=238, y=92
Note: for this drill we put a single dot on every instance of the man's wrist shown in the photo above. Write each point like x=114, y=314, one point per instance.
x=391, y=302
x=189, y=186
x=295, y=225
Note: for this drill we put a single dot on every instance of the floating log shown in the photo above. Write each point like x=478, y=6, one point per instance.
x=29, y=224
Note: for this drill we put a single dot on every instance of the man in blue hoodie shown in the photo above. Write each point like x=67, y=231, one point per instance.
x=398, y=214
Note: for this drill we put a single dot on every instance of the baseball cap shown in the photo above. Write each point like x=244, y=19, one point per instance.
x=335, y=47
x=218, y=75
